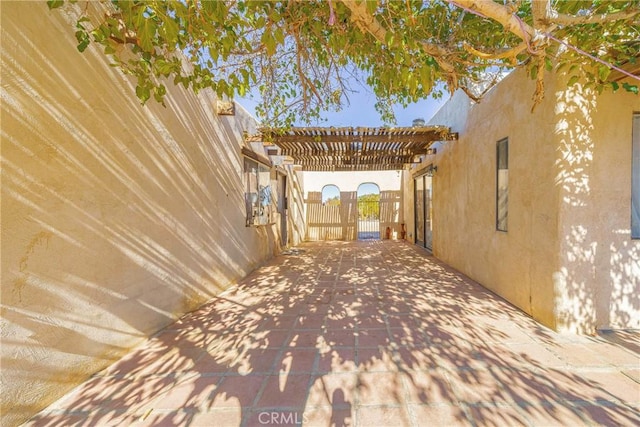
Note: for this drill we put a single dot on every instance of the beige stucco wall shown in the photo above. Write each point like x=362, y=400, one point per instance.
x=567, y=258
x=116, y=218
x=597, y=284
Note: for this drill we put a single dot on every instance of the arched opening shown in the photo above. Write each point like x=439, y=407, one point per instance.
x=368, y=211
x=330, y=195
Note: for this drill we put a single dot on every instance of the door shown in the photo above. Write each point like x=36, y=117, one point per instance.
x=424, y=210
x=428, y=211
x=419, y=210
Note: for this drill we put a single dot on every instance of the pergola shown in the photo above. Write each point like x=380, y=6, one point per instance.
x=355, y=149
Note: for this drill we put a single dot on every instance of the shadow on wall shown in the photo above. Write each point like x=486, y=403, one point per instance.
x=390, y=205
x=334, y=321
x=331, y=221
x=597, y=285
x=295, y=210
x=115, y=218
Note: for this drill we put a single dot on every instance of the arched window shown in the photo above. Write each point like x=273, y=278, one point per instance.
x=330, y=195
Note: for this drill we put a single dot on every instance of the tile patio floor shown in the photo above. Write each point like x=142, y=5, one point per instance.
x=361, y=334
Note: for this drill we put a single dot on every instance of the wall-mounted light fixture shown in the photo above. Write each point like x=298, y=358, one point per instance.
x=225, y=107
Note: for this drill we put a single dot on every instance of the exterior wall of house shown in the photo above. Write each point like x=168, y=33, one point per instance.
x=567, y=257
x=597, y=283
x=327, y=222
x=117, y=218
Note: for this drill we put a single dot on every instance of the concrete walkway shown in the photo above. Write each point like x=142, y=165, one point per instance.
x=361, y=334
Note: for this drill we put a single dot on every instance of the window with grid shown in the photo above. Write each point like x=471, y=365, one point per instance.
x=258, y=194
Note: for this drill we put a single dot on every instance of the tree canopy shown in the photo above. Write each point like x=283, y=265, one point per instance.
x=306, y=56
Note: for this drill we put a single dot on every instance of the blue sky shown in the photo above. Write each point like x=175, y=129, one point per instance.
x=361, y=111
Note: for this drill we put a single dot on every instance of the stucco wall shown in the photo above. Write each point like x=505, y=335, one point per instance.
x=597, y=284
x=567, y=258
x=116, y=218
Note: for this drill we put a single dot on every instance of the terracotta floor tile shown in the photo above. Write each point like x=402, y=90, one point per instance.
x=406, y=337
x=340, y=338
x=531, y=355
x=428, y=387
x=476, y=386
x=551, y=415
x=579, y=355
x=382, y=416
x=340, y=359
x=286, y=390
x=336, y=390
x=191, y=391
x=438, y=415
x=295, y=361
x=613, y=385
x=338, y=333
x=236, y=391
x=324, y=416
x=372, y=359
x=609, y=415
x=380, y=388
x=498, y=415
x=372, y=338
x=308, y=338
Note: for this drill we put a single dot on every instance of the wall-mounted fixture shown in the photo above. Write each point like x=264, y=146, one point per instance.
x=432, y=151
x=225, y=107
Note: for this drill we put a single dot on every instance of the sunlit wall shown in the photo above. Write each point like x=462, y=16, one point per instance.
x=116, y=218
x=567, y=257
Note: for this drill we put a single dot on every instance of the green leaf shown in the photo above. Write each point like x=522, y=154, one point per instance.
x=603, y=72
x=170, y=29
x=143, y=93
x=573, y=80
x=147, y=35
x=269, y=42
x=548, y=64
x=54, y=4
x=630, y=88
x=83, y=40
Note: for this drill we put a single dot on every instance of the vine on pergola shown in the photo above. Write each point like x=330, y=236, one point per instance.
x=306, y=56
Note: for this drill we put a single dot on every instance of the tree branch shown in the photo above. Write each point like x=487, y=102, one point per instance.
x=499, y=13
x=600, y=18
x=541, y=11
x=509, y=53
x=367, y=23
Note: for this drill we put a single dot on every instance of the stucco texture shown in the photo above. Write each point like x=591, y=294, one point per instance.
x=567, y=258
x=117, y=218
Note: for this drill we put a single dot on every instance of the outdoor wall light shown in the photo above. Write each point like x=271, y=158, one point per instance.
x=225, y=107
